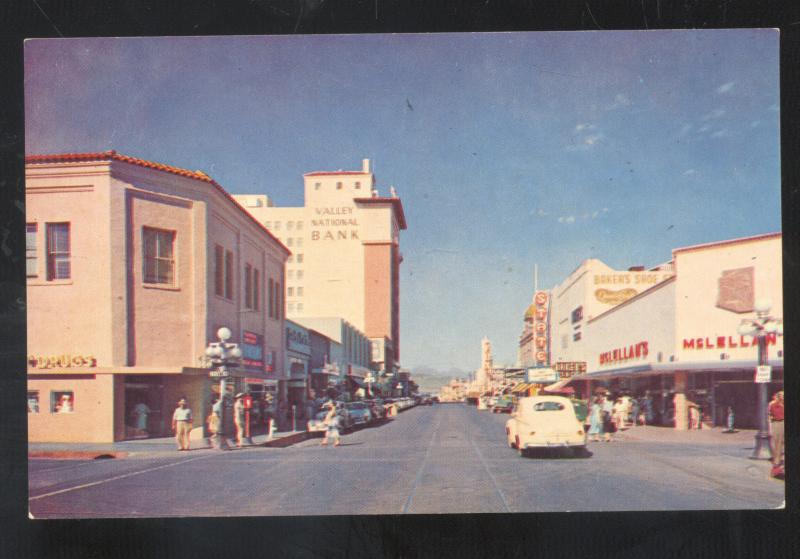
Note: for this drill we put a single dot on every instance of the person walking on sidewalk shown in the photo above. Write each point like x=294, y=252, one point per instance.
x=596, y=419
x=608, y=419
x=776, y=427
x=239, y=419
x=182, y=424
x=332, y=426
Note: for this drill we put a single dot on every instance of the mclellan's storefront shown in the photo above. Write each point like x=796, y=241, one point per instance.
x=678, y=343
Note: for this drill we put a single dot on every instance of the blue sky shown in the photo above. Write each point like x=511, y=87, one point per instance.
x=507, y=149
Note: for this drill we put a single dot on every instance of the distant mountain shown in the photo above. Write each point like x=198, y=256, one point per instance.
x=432, y=380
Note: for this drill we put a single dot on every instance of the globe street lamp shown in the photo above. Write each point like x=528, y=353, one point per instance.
x=761, y=327
x=223, y=355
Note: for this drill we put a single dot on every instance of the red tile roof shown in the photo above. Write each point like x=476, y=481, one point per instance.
x=112, y=155
x=398, y=207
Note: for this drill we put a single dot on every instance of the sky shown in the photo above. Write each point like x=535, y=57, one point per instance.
x=507, y=149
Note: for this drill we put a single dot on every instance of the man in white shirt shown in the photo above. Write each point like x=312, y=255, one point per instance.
x=182, y=424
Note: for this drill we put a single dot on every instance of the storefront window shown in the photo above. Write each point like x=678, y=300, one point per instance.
x=33, y=401
x=62, y=401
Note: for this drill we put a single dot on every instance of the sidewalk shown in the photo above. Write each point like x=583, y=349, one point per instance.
x=714, y=435
x=147, y=447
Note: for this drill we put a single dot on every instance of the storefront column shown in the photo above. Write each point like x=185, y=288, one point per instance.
x=588, y=386
x=681, y=409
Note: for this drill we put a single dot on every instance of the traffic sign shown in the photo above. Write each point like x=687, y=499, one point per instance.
x=763, y=374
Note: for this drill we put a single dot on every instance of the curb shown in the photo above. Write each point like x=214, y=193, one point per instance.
x=286, y=441
x=76, y=454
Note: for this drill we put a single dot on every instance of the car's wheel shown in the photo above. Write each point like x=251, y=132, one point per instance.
x=518, y=446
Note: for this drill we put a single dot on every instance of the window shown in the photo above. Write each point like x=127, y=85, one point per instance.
x=300, y=258
x=289, y=225
x=219, y=270
x=248, y=286
x=62, y=401
x=290, y=274
x=159, y=261
x=31, y=264
x=317, y=185
x=271, y=296
x=291, y=306
x=299, y=241
x=58, y=256
x=290, y=291
x=299, y=291
x=228, y=274
x=299, y=274
x=299, y=225
x=290, y=260
x=338, y=186
x=289, y=241
x=268, y=224
x=277, y=226
x=33, y=401
x=548, y=406
x=358, y=185
x=278, y=301
x=299, y=307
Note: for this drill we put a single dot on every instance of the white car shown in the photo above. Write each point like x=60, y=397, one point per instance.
x=545, y=422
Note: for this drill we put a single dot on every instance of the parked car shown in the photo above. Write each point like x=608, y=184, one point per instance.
x=359, y=413
x=545, y=422
x=376, y=408
x=503, y=404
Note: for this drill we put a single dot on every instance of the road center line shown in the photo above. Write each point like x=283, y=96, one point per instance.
x=421, y=468
x=121, y=476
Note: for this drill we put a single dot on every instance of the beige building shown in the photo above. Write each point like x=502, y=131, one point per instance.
x=132, y=267
x=346, y=257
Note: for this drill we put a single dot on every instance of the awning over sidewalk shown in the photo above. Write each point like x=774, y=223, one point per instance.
x=560, y=386
x=522, y=387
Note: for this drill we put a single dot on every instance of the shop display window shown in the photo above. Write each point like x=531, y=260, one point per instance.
x=33, y=401
x=62, y=401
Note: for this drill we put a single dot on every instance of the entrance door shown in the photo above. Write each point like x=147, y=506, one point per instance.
x=144, y=409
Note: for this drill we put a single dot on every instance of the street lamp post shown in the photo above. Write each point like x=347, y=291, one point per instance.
x=369, y=379
x=760, y=327
x=223, y=355
x=400, y=388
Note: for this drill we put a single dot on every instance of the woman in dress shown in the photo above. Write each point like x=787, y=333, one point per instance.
x=332, y=423
x=596, y=419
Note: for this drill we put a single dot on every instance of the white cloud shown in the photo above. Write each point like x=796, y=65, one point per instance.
x=725, y=88
x=592, y=139
x=688, y=172
x=755, y=124
x=605, y=210
x=685, y=129
x=704, y=128
x=720, y=133
x=580, y=127
x=620, y=100
x=716, y=113
x=595, y=214
x=566, y=219
x=541, y=212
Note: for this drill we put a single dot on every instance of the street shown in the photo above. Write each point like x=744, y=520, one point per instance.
x=447, y=458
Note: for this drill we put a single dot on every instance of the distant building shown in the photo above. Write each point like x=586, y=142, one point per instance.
x=346, y=257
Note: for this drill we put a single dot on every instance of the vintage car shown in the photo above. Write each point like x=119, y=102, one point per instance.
x=545, y=422
x=359, y=413
x=503, y=404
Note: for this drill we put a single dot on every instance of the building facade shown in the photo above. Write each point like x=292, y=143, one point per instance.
x=677, y=343
x=346, y=245
x=132, y=268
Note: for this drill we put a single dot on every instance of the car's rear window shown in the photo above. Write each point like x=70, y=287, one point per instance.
x=548, y=406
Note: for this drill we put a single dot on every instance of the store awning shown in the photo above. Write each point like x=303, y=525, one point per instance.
x=357, y=381
x=523, y=387
x=673, y=366
x=559, y=386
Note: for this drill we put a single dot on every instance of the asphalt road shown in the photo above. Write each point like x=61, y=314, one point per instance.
x=448, y=458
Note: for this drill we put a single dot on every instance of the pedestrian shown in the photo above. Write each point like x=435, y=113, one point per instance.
x=608, y=419
x=596, y=419
x=332, y=426
x=647, y=406
x=213, y=423
x=635, y=411
x=239, y=418
x=182, y=424
x=139, y=414
x=776, y=427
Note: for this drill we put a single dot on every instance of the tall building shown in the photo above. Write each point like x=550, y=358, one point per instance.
x=346, y=256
